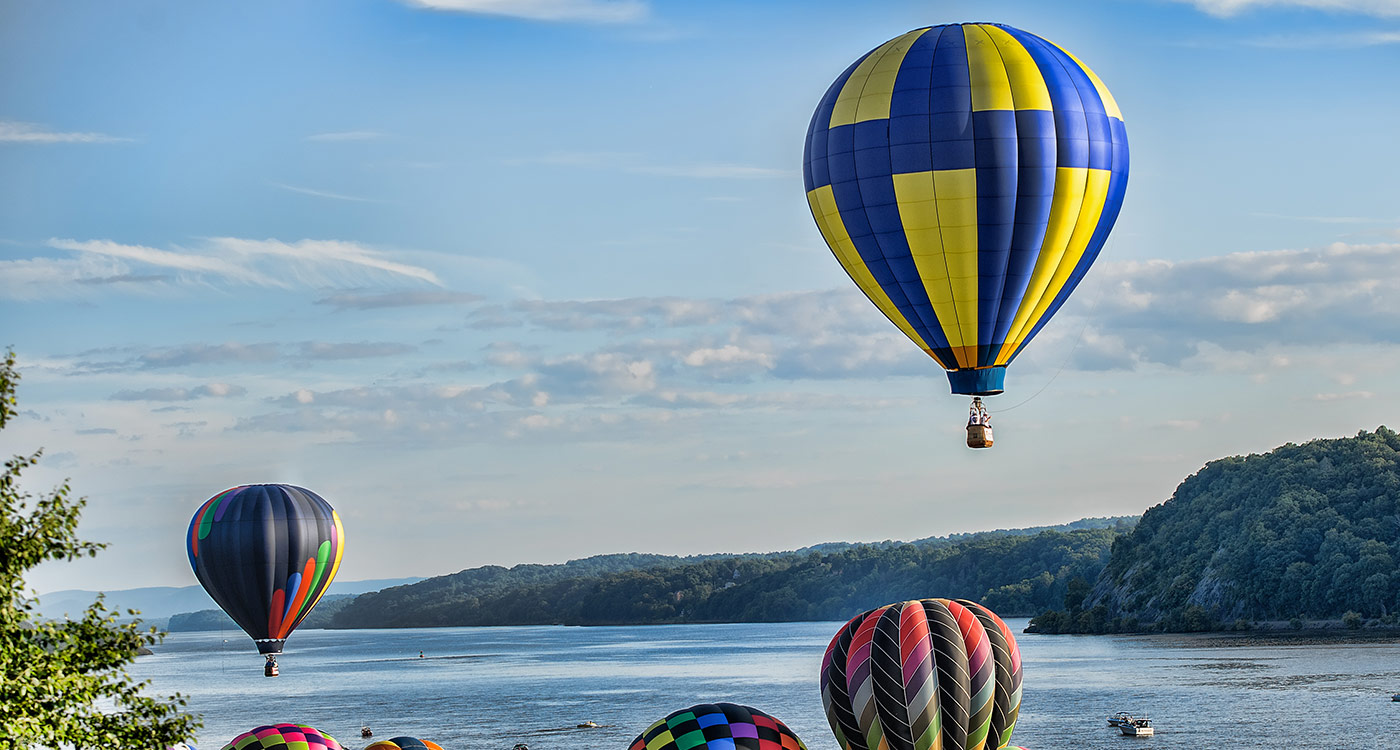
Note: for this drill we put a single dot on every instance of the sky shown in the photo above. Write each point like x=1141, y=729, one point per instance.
x=529, y=281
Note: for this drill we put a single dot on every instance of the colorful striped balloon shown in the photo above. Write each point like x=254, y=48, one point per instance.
x=283, y=737
x=966, y=176
x=922, y=674
x=718, y=726
x=266, y=553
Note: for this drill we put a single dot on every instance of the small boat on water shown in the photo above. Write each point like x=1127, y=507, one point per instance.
x=1119, y=719
x=1136, y=728
x=1395, y=697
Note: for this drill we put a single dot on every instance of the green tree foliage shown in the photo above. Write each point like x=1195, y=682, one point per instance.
x=55, y=674
x=1303, y=532
x=1011, y=573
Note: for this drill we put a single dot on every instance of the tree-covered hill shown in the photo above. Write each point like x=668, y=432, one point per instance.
x=1015, y=573
x=1304, y=531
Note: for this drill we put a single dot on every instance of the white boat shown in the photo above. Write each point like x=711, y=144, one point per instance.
x=1119, y=719
x=1136, y=728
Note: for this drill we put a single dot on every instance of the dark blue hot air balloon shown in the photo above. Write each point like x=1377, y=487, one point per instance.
x=266, y=553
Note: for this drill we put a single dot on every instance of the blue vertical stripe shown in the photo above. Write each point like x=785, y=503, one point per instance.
x=1113, y=203
x=950, y=104
x=994, y=133
x=1035, y=191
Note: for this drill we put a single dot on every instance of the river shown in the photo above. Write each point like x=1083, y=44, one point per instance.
x=490, y=688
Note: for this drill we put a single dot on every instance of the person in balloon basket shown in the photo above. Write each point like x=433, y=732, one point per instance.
x=978, y=415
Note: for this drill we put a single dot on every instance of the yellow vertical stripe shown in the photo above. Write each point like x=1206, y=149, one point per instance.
x=1028, y=89
x=990, y=87
x=866, y=94
x=939, y=214
x=828, y=217
x=1110, y=105
x=1074, y=219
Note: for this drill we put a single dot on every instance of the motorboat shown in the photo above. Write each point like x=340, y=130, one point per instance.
x=1136, y=728
x=1119, y=719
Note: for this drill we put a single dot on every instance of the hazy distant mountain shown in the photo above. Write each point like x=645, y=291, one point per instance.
x=157, y=602
x=1018, y=571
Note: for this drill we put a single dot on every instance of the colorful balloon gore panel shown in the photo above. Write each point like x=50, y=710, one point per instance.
x=718, y=726
x=283, y=737
x=922, y=674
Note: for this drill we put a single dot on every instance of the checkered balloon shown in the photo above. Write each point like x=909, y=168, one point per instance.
x=718, y=726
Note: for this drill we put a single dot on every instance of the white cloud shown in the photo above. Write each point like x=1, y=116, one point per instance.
x=208, y=390
x=355, y=350
x=324, y=253
x=363, y=301
x=213, y=261
x=179, y=261
x=1177, y=313
x=1343, y=396
x=1227, y=8
x=587, y=11
x=28, y=132
x=729, y=354
x=133, y=359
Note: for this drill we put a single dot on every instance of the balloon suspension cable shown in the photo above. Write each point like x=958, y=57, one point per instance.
x=1098, y=293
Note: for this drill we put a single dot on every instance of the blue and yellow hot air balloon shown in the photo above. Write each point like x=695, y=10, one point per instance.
x=967, y=176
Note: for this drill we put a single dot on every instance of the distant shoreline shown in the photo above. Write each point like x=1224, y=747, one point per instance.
x=1270, y=633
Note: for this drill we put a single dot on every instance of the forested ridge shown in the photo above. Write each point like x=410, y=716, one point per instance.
x=1303, y=532
x=1021, y=571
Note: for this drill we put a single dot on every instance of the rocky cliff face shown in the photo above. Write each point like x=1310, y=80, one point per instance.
x=1308, y=530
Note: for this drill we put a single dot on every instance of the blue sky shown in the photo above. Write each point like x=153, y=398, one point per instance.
x=527, y=281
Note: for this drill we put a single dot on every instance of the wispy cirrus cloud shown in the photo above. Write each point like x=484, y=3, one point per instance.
x=346, y=135
x=638, y=164
x=172, y=259
x=325, y=253
x=1227, y=8
x=131, y=359
x=1352, y=40
x=28, y=132
x=584, y=11
x=323, y=264
x=363, y=301
x=324, y=194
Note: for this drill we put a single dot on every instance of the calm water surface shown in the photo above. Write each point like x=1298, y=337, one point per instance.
x=489, y=688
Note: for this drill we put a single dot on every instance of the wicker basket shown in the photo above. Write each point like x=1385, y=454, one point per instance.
x=979, y=436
